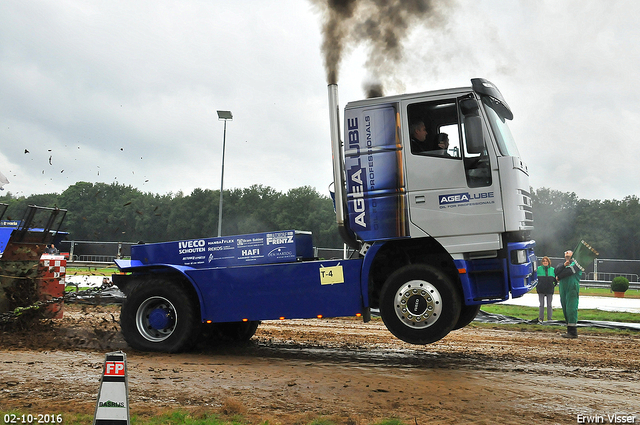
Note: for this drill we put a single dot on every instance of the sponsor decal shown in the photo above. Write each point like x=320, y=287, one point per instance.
x=353, y=135
x=114, y=369
x=192, y=260
x=279, y=252
x=218, y=245
x=250, y=252
x=220, y=241
x=358, y=189
x=279, y=238
x=191, y=247
x=110, y=403
x=372, y=174
x=249, y=241
x=357, y=176
x=9, y=223
x=465, y=199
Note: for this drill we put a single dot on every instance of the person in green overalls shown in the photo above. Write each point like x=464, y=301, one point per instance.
x=568, y=276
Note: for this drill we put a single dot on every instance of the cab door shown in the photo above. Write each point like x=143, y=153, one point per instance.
x=453, y=195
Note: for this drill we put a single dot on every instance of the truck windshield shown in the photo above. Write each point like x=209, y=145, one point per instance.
x=506, y=143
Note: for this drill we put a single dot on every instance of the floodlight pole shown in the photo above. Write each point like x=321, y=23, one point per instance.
x=225, y=116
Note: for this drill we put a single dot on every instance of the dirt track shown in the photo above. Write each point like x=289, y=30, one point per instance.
x=355, y=373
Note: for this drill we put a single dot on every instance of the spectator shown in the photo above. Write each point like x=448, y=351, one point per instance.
x=51, y=250
x=546, y=286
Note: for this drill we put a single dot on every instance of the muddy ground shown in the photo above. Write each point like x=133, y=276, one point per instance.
x=353, y=373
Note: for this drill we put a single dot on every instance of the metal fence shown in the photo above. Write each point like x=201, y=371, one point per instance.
x=332, y=253
x=605, y=269
x=100, y=252
x=608, y=277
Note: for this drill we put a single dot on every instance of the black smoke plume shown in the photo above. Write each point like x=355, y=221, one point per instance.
x=382, y=25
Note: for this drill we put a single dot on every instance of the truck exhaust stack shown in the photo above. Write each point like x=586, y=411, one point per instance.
x=338, y=169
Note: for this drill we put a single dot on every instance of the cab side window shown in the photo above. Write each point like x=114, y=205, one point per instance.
x=434, y=130
x=451, y=129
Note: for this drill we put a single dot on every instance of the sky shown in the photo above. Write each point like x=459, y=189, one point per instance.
x=127, y=92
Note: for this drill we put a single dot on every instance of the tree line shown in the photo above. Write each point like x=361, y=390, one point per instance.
x=561, y=220
x=115, y=212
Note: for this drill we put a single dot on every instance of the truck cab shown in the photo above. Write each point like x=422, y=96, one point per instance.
x=460, y=209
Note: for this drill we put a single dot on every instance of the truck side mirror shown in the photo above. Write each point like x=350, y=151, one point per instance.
x=473, y=134
x=472, y=126
x=469, y=107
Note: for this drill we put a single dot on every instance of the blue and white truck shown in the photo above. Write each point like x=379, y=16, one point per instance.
x=436, y=232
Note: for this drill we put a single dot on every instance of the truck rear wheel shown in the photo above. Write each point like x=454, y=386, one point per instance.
x=159, y=315
x=419, y=304
x=230, y=331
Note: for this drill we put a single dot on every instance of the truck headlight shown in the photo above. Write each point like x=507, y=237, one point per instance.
x=519, y=256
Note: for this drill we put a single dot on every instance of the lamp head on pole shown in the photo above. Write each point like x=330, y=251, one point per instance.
x=225, y=115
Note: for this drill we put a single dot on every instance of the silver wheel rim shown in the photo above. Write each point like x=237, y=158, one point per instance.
x=418, y=304
x=156, y=319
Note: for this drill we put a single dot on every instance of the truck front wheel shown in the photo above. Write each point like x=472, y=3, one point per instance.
x=159, y=315
x=419, y=304
x=467, y=314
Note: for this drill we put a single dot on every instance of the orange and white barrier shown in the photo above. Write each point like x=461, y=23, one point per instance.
x=51, y=282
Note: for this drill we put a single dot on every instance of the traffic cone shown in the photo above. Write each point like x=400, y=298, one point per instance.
x=112, y=407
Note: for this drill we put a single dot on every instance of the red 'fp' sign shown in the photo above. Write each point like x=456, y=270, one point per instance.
x=114, y=369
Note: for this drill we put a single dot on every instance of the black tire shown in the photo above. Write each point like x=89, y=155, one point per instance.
x=467, y=314
x=230, y=331
x=419, y=304
x=159, y=315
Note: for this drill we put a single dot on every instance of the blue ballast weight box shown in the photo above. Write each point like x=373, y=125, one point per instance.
x=227, y=251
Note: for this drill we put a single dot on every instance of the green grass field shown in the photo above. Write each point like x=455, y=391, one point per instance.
x=103, y=271
x=530, y=313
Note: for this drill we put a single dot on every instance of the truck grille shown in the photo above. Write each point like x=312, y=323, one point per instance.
x=526, y=207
